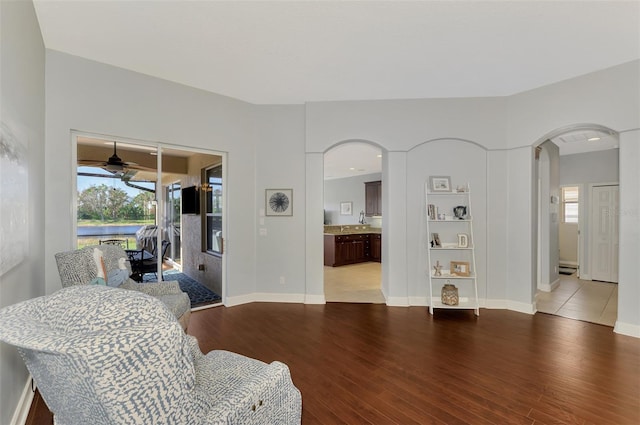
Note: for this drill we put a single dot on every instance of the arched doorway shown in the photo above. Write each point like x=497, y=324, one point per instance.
x=573, y=166
x=352, y=212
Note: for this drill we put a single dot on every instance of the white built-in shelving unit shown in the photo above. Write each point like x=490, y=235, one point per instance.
x=450, y=245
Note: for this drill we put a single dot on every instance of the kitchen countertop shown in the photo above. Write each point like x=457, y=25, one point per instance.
x=350, y=230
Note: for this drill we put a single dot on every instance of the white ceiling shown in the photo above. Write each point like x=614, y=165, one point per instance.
x=292, y=52
x=279, y=52
x=352, y=159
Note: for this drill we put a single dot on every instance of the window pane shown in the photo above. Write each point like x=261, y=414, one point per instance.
x=570, y=212
x=570, y=194
x=214, y=208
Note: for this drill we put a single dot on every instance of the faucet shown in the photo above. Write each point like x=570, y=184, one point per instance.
x=361, y=220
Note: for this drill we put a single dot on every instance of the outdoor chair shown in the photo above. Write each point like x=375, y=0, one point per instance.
x=151, y=265
x=105, y=356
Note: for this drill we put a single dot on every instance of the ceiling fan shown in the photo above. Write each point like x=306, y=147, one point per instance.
x=116, y=166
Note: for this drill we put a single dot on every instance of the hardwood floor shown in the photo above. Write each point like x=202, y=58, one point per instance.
x=373, y=364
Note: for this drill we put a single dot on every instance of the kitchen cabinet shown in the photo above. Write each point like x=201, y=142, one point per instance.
x=375, y=242
x=340, y=250
x=373, y=198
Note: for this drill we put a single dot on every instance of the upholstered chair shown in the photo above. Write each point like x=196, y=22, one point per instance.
x=78, y=267
x=108, y=356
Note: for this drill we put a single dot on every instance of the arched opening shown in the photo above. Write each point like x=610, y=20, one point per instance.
x=353, y=219
x=576, y=182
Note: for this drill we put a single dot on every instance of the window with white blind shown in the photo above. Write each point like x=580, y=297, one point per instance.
x=570, y=198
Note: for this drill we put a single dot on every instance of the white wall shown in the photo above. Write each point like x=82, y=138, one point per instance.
x=584, y=169
x=279, y=164
x=465, y=163
x=515, y=123
x=548, y=222
x=22, y=107
x=349, y=189
x=628, y=281
x=97, y=98
x=590, y=167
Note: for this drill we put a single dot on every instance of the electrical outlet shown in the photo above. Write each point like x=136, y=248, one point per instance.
x=281, y=280
x=201, y=267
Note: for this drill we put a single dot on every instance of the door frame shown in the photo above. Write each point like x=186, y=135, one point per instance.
x=160, y=208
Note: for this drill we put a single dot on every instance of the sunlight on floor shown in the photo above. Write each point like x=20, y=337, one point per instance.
x=591, y=301
x=355, y=283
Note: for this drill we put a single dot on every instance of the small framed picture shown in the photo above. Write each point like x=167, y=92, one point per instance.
x=463, y=240
x=279, y=202
x=440, y=183
x=435, y=241
x=460, y=268
x=346, y=208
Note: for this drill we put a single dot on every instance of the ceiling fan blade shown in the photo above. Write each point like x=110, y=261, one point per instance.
x=90, y=163
x=134, y=166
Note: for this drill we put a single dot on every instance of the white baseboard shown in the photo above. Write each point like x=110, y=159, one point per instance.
x=548, y=287
x=398, y=301
x=24, y=404
x=314, y=299
x=627, y=329
x=418, y=301
x=266, y=297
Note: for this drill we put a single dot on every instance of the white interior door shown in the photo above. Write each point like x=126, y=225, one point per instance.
x=604, y=233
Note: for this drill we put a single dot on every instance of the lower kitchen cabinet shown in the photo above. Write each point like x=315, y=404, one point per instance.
x=340, y=250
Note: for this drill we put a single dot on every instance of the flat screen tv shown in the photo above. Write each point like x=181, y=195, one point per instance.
x=190, y=200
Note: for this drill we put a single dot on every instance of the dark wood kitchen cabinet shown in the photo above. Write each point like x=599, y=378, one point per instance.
x=375, y=243
x=340, y=250
x=373, y=198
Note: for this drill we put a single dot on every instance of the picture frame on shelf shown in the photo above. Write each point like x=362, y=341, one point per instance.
x=460, y=268
x=346, y=208
x=278, y=202
x=463, y=240
x=435, y=241
x=440, y=183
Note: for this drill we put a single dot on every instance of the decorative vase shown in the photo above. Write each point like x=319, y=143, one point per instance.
x=449, y=294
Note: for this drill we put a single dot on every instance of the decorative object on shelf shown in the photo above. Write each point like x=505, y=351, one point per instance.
x=432, y=211
x=460, y=212
x=459, y=268
x=435, y=240
x=438, y=269
x=279, y=202
x=461, y=189
x=463, y=240
x=449, y=295
x=346, y=208
x=440, y=183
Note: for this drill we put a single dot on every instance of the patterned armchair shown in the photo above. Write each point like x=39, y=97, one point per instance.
x=78, y=267
x=106, y=356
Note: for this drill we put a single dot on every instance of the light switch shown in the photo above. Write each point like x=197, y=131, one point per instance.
x=263, y=231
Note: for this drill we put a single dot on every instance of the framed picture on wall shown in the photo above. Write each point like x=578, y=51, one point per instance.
x=279, y=202
x=440, y=183
x=346, y=208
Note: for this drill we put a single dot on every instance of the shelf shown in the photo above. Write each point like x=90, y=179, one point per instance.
x=449, y=248
x=467, y=305
x=448, y=193
x=468, y=220
x=448, y=276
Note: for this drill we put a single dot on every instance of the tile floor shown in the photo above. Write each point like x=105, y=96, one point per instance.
x=355, y=283
x=591, y=301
